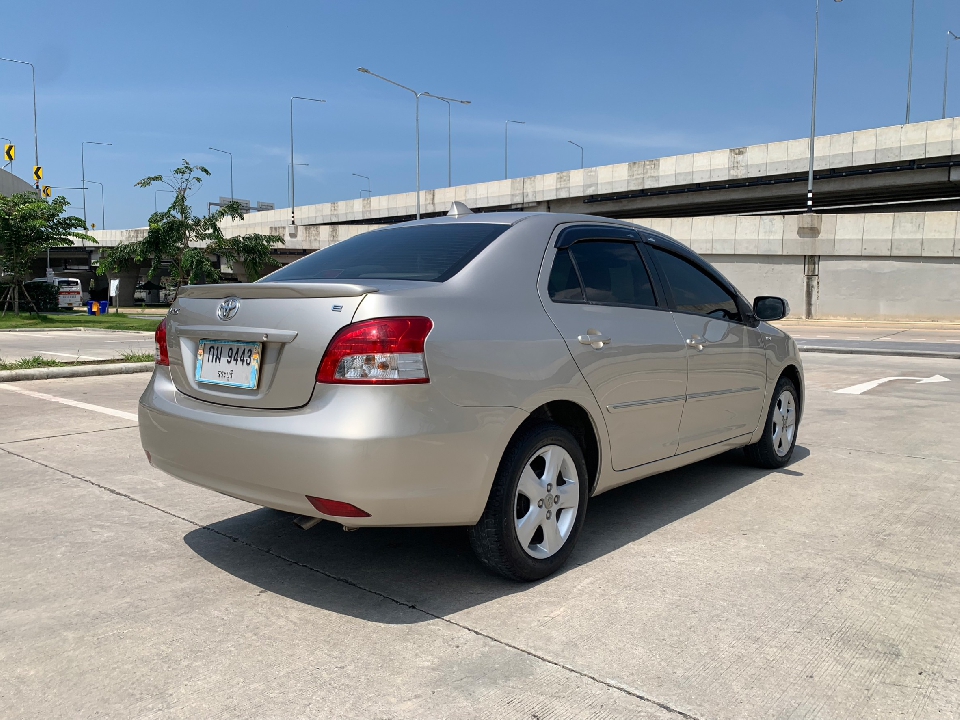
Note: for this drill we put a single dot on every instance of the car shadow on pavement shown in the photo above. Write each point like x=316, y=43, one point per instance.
x=434, y=569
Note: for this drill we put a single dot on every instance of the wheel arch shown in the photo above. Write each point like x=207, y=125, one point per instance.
x=577, y=420
x=792, y=372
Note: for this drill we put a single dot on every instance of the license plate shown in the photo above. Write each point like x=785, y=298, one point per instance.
x=227, y=362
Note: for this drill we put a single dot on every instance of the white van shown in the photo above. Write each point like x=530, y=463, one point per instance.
x=70, y=293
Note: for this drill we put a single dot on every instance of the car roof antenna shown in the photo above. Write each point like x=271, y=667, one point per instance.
x=458, y=209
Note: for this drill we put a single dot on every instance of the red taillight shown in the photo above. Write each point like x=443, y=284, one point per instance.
x=385, y=351
x=161, y=355
x=336, y=508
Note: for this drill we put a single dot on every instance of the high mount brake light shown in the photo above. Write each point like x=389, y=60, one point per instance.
x=161, y=356
x=384, y=351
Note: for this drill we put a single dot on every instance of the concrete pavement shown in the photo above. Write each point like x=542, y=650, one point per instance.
x=827, y=589
x=72, y=345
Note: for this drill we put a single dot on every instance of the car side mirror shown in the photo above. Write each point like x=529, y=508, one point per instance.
x=770, y=308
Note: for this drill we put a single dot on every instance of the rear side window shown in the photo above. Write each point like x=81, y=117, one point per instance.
x=420, y=252
x=613, y=273
x=564, y=284
x=693, y=290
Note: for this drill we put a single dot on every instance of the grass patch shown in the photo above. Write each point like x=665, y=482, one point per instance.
x=131, y=356
x=63, y=320
x=29, y=363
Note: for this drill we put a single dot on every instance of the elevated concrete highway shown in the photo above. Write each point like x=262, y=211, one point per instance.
x=882, y=245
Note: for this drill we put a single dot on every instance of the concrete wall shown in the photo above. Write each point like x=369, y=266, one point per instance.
x=853, y=287
x=765, y=275
x=879, y=266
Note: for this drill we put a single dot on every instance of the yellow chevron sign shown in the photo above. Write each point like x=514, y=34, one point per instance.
x=8, y=152
x=37, y=172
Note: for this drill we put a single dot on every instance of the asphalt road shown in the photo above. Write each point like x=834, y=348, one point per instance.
x=71, y=345
x=889, y=338
x=828, y=589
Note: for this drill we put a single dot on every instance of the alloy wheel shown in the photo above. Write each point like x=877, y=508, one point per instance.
x=548, y=495
x=784, y=423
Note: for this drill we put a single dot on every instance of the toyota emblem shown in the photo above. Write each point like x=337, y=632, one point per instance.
x=228, y=308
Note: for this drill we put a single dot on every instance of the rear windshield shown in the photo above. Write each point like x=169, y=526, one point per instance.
x=69, y=284
x=419, y=252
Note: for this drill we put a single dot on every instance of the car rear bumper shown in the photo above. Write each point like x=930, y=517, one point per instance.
x=404, y=454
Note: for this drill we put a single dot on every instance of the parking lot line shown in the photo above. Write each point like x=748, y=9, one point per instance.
x=71, y=403
x=69, y=355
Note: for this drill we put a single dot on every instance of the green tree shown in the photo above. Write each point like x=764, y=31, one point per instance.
x=176, y=235
x=29, y=226
x=252, y=251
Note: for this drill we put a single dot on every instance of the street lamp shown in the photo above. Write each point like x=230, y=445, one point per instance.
x=293, y=181
x=369, y=191
x=946, y=70
x=581, y=152
x=288, y=180
x=506, y=124
x=33, y=74
x=913, y=24
x=83, y=175
x=155, y=197
x=449, y=132
x=813, y=112
x=417, y=96
x=225, y=152
x=102, y=214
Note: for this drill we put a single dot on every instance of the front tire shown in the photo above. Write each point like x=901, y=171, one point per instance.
x=776, y=445
x=536, y=506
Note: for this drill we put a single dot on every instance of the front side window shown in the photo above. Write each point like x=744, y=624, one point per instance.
x=693, y=290
x=613, y=273
x=417, y=252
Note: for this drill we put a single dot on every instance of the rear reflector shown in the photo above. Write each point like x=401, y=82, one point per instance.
x=161, y=356
x=385, y=351
x=336, y=508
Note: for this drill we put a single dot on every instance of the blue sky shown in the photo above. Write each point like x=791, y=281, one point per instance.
x=627, y=80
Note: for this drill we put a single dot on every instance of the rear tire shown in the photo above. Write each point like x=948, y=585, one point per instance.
x=525, y=532
x=776, y=445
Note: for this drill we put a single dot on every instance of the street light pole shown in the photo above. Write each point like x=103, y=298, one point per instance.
x=102, y=213
x=813, y=112
x=506, y=124
x=417, y=96
x=369, y=191
x=83, y=175
x=155, y=197
x=288, y=180
x=449, y=132
x=33, y=74
x=946, y=70
x=225, y=152
x=293, y=181
x=581, y=152
x=913, y=23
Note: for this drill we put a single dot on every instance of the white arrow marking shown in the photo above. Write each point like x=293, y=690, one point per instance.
x=863, y=387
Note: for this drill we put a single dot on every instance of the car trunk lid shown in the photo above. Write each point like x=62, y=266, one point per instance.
x=293, y=322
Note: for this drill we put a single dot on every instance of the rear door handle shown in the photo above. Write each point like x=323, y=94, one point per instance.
x=695, y=342
x=595, y=341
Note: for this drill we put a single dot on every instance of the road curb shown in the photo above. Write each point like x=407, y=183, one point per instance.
x=879, y=351
x=75, y=329
x=75, y=371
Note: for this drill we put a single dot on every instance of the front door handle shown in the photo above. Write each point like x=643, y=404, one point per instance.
x=594, y=339
x=695, y=342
